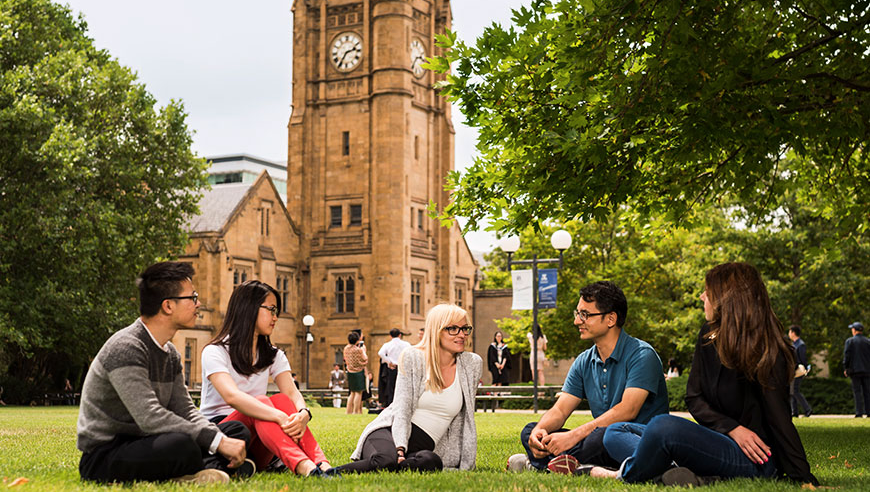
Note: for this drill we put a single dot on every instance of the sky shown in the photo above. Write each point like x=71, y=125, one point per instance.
x=229, y=62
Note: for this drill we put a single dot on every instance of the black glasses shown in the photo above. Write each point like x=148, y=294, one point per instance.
x=454, y=330
x=583, y=315
x=193, y=297
x=271, y=309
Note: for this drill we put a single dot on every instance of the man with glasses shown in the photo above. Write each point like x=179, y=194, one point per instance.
x=620, y=376
x=137, y=421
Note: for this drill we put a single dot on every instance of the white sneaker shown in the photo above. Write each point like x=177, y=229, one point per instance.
x=202, y=477
x=518, y=463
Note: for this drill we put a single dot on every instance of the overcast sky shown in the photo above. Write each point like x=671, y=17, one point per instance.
x=230, y=63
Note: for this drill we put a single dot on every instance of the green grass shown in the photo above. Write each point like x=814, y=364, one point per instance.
x=39, y=444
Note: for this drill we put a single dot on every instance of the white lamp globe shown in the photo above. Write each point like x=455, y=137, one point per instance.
x=561, y=240
x=308, y=320
x=509, y=244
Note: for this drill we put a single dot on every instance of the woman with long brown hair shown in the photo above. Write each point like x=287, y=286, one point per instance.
x=738, y=391
x=236, y=366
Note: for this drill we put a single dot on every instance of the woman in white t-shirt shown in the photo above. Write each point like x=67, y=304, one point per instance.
x=236, y=367
x=430, y=423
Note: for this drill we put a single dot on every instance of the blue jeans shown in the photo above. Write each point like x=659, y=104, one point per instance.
x=588, y=451
x=667, y=440
x=622, y=438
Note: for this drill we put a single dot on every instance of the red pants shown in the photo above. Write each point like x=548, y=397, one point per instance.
x=268, y=439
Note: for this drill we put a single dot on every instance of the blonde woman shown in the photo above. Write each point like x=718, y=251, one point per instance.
x=430, y=424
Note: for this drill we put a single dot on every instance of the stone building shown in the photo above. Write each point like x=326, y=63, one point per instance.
x=369, y=145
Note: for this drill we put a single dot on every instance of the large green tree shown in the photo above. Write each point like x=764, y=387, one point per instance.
x=586, y=105
x=94, y=185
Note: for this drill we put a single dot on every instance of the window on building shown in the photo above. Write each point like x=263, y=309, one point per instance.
x=355, y=215
x=338, y=350
x=189, y=360
x=416, y=147
x=344, y=294
x=265, y=212
x=412, y=218
x=416, y=294
x=345, y=143
x=335, y=216
x=240, y=275
x=283, y=288
x=460, y=295
x=420, y=219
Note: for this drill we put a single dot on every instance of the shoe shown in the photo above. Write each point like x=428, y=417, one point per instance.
x=276, y=466
x=585, y=469
x=518, y=462
x=203, y=477
x=564, y=464
x=320, y=473
x=809, y=412
x=683, y=477
x=245, y=470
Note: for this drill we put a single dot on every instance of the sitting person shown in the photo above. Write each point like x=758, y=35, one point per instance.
x=738, y=392
x=430, y=423
x=137, y=421
x=619, y=375
x=236, y=367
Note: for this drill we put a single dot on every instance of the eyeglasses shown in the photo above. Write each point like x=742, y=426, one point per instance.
x=454, y=330
x=583, y=315
x=193, y=297
x=271, y=309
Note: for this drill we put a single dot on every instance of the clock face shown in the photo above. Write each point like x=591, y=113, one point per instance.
x=418, y=58
x=346, y=51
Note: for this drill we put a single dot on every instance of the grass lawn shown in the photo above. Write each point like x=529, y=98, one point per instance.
x=39, y=445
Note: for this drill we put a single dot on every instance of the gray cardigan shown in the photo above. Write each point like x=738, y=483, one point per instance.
x=458, y=447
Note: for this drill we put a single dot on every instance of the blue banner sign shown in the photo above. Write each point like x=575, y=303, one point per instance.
x=547, y=280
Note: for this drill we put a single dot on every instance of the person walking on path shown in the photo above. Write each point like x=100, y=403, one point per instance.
x=336, y=383
x=137, y=421
x=355, y=359
x=856, y=361
x=800, y=351
x=389, y=355
x=236, y=367
x=430, y=424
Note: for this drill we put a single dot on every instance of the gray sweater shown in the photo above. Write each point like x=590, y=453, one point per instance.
x=135, y=388
x=458, y=447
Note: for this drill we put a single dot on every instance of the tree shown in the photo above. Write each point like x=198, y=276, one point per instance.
x=588, y=105
x=95, y=185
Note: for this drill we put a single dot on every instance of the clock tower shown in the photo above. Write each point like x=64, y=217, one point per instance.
x=370, y=143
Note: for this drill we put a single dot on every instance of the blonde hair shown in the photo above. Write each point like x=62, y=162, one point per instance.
x=439, y=317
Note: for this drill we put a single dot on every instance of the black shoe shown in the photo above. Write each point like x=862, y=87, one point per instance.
x=683, y=477
x=809, y=412
x=320, y=473
x=245, y=470
x=276, y=466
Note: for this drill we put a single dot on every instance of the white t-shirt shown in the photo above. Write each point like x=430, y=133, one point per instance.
x=435, y=411
x=216, y=358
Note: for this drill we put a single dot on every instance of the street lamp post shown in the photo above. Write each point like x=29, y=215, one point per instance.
x=308, y=321
x=560, y=240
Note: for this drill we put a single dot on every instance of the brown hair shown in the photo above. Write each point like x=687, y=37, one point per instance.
x=747, y=334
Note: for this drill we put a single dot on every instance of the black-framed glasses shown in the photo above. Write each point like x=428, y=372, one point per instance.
x=584, y=315
x=194, y=297
x=454, y=330
x=271, y=309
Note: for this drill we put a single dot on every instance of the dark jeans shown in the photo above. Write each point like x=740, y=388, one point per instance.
x=589, y=451
x=798, y=399
x=386, y=384
x=668, y=439
x=861, y=390
x=379, y=453
x=154, y=458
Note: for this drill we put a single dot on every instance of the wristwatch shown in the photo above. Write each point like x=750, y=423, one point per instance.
x=309, y=413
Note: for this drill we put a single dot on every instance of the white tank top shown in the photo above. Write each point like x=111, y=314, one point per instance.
x=435, y=411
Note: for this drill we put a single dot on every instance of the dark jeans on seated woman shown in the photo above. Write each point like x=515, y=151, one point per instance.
x=379, y=453
x=667, y=440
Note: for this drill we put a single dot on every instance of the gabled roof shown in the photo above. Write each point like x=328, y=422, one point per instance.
x=217, y=206
x=220, y=205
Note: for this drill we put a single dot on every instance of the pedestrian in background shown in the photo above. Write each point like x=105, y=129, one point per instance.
x=336, y=382
x=801, y=370
x=355, y=360
x=856, y=362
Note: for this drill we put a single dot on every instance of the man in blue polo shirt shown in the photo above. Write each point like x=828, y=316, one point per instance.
x=620, y=376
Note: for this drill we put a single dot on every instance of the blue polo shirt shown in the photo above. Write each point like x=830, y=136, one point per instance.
x=633, y=364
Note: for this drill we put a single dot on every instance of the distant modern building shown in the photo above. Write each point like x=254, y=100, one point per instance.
x=244, y=168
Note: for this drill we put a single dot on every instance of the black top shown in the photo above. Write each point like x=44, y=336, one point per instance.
x=856, y=355
x=800, y=352
x=721, y=399
x=492, y=358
